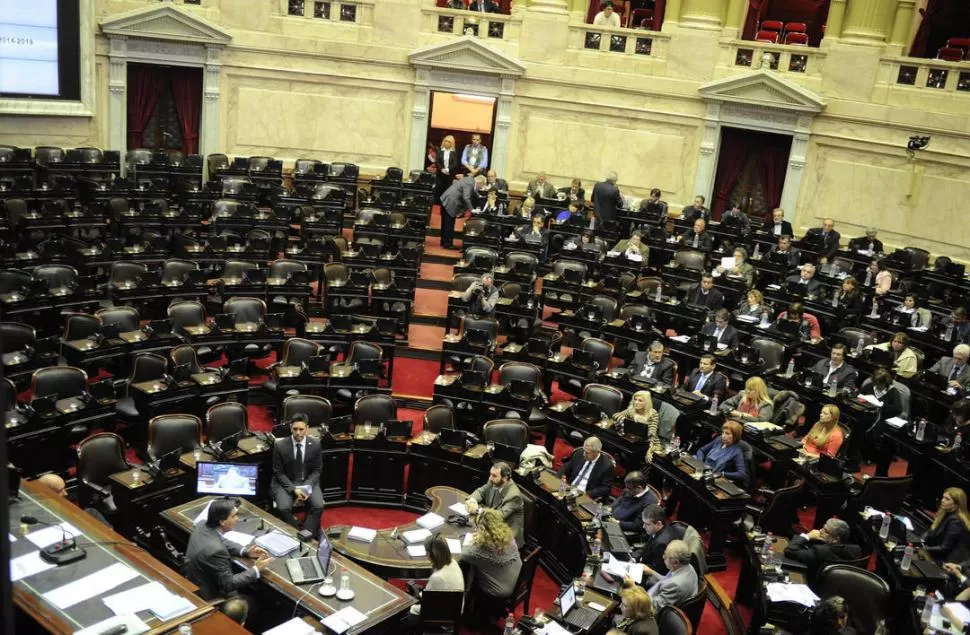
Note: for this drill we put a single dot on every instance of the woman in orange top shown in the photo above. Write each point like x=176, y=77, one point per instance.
x=826, y=436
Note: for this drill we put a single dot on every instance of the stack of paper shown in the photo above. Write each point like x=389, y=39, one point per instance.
x=90, y=586
x=417, y=551
x=622, y=569
x=415, y=536
x=202, y=514
x=553, y=628
x=797, y=593
x=459, y=508
x=28, y=565
x=363, y=534
x=277, y=543
x=239, y=538
x=431, y=520
x=763, y=426
x=897, y=422
x=344, y=619
x=454, y=546
x=871, y=399
x=295, y=626
x=152, y=597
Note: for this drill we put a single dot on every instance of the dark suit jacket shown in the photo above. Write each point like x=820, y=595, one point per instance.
x=713, y=300
x=208, y=563
x=490, y=7
x=814, y=554
x=705, y=242
x=627, y=509
x=851, y=303
x=284, y=465
x=717, y=383
x=580, y=194
x=454, y=163
x=652, y=553
x=509, y=503
x=606, y=200
x=862, y=244
x=786, y=228
x=730, y=335
x=950, y=542
x=500, y=185
x=690, y=214
x=845, y=377
x=945, y=366
x=600, y=476
x=810, y=288
x=827, y=246
x=662, y=372
x=460, y=197
x=793, y=256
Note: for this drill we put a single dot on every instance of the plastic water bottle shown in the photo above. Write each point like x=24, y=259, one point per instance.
x=835, y=299
x=756, y=254
x=764, y=319
x=563, y=487
x=921, y=429
x=344, y=580
x=875, y=309
x=832, y=388
x=927, y=613
x=658, y=296
x=676, y=446
x=907, y=558
x=790, y=371
x=769, y=554
x=597, y=546
x=948, y=334
x=509, y=625
x=957, y=441
x=868, y=278
x=859, y=347
x=714, y=401
x=887, y=520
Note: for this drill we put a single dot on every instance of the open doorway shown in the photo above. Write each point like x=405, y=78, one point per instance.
x=751, y=170
x=461, y=116
x=164, y=107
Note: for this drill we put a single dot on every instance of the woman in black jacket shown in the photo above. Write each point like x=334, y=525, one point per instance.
x=948, y=539
x=882, y=389
x=850, y=299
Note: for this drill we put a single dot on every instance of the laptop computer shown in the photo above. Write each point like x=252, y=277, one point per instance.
x=728, y=488
x=473, y=378
x=695, y=464
x=395, y=428
x=312, y=568
x=574, y=614
x=582, y=359
x=450, y=437
x=583, y=409
x=935, y=380
x=788, y=327
x=880, y=357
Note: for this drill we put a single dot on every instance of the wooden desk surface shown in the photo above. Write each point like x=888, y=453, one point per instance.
x=104, y=547
x=374, y=597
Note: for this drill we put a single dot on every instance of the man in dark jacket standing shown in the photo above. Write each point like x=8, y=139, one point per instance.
x=461, y=196
x=606, y=199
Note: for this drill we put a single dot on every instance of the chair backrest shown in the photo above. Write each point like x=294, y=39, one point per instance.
x=317, y=409
x=14, y=280
x=601, y=350
x=437, y=417
x=80, y=325
x=462, y=281
x=852, y=334
x=126, y=272
x=225, y=419
x=15, y=336
x=185, y=354
x=489, y=325
x=797, y=39
x=610, y=399
x=236, y=268
x=519, y=370
x=99, y=456
x=284, y=268
x=885, y=493
x=186, y=313
x=606, y=303
x=864, y=591
x=474, y=227
x=771, y=351
x=167, y=433
x=514, y=432
x=147, y=366
x=771, y=25
x=441, y=609
x=176, y=270
x=63, y=381
x=523, y=585
x=480, y=363
x=693, y=607
x=690, y=259
x=673, y=621
x=920, y=257
x=374, y=408
x=629, y=310
x=336, y=273
x=56, y=276
x=125, y=317
x=364, y=350
x=781, y=508
x=244, y=309
x=297, y=350
x=950, y=54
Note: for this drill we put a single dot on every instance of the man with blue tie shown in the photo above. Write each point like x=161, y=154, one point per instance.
x=589, y=470
x=722, y=331
x=703, y=380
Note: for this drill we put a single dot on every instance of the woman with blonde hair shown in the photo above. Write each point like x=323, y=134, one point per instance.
x=642, y=411
x=447, y=163
x=826, y=436
x=525, y=209
x=636, y=613
x=493, y=558
x=948, y=539
x=750, y=404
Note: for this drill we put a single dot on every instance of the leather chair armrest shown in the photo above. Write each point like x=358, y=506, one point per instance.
x=754, y=509
x=100, y=490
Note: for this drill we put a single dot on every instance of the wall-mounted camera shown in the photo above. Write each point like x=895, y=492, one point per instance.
x=917, y=142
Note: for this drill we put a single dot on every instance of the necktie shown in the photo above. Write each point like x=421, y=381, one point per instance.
x=299, y=461
x=955, y=372
x=700, y=382
x=696, y=238
x=717, y=335
x=582, y=473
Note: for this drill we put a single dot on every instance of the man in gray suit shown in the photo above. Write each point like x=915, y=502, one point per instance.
x=955, y=369
x=680, y=582
x=208, y=558
x=501, y=494
x=297, y=463
x=539, y=186
x=461, y=196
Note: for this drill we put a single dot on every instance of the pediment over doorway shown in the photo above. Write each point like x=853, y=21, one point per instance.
x=165, y=23
x=467, y=54
x=763, y=88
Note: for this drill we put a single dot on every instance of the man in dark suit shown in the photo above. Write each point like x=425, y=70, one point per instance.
x=704, y=380
x=297, y=463
x=495, y=183
x=659, y=534
x=784, y=247
x=208, y=558
x=589, y=470
x=705, y=295
x=502, y=494
x=825, y=238
x=868, y=243
x=698, y=237
x=804, y=282
x=823, y=546
x=606, y=199
x=574, y=193
x=628, y=507
x=778, y=225
x=721, y=329
x=835, y=369
x=955, y=369
x=651, y=364
x=484, y=6
x=696, y=211
x=540, y=187
x=461, y=196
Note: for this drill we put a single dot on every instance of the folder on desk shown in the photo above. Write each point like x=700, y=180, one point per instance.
x=277, y=543
x=430, y=520
x=415, y=536
x=362, y=534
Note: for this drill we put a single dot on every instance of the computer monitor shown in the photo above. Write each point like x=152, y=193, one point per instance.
x=522, y=388
x=878, y=356
x=591, y=313
x=567, y=599
x=582, y=359
x=476, y=337
x=324, y=551
x=583, y=409
x=225, y=321
x=226, y=479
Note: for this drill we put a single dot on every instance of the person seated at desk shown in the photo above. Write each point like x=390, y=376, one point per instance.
x=955, y=369
x=585, y=241
x=867, y=244
x=696, y=211
x=297, y=463
x=785, y=249
x=208, y=557
x=56, y=484
x=825, y=437
x=735, y=218
x=849, y=298
x=501, y=494
x=574, y=193
x=879, y=277
x=539, y=187
x=948, y=538
x=825, y=238
x=912, y=314
x=236, y=609
x=676, y=586
x=750, y=404
x=481, y=296
x=724, y=454
x=807, y=330
x=705, y=295
x=881, y=388
x=742, y=268
x=494, y=563
x=642, y=411
x=573, y=212
x=697, y=237
x=722, y=331
x=820, y=547
x=653, y=206
x=526, y=209
x=659, y=533
x=804, y=282
x=484, y=6
x=958, y=420
x=446, y=575
x=651, y=364
x=492, y=182
x=534, y=233
x=636, y=615
x=831, y=617
x=633, y=247
x=778, y=226
x=957, y=321
x=905, y=362
x=703, y=380
x=589, y=470
x=753, y=305
x=835, y=369
x=627, y=508
x=492, y=206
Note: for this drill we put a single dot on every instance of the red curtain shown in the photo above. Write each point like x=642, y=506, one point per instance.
x=770, y=151
x=145, y=84
x=941, y=19
x=772, y=154
x=736, y=145
x=751, y=21
x=187, y=89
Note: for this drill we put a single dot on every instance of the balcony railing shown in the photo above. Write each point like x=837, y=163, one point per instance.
x=488, y=26
x=938, y=75
x=635, y=42
x=785, y=58
x=334, y=11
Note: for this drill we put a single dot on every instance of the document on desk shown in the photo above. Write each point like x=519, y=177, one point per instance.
x=363, y=534
x=623, y=569
x=897, y=422
x=454, y=546
x=431, y=520
x=343, y=619
x=415, y=536
x=459, y=508
x=12, y=538
x=682, y=339
x=28, y=565
x=553, y=628
x=277, y=543
x=90, y=585
x=202, y=514
x=49, y=535
x=763, y=426
x=152, y=597
x=295, y=626
x=797, y=593
x=417, y=551
x=132, y=623
x=238, y=537
x=467, y=540
x=871, y=399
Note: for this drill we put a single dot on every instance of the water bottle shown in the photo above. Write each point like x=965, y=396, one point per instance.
x=658, y=295
x=768, y=552
x=832, y=388
x=921, y=429
x=875, y=309
x=868, y=278
x=948, y=334
x=509, y=625
x=714, y=401
x=790, y=371
x=597, y=546
x=835, y=299
x=907, y=558
x=764, y=319
x=887, y=519
x=756, y=254
x=344, y=580
x=676, y=448
x=859, y=347
x=957, y=441
x=927, y=613
x=563, y=487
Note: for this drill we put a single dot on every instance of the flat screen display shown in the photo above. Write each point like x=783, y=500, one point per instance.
x=39, y=48
x=226, y=479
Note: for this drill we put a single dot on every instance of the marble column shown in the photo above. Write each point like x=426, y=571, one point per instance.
x=868, y=21
x=672, y=13
x=903, y=23
x=549, y=6
x=702, y=14
x=117, y=95
x=734, y=20
x=209, y=126
x=833, y=25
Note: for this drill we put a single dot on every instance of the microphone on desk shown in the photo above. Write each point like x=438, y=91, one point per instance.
x=63, y=552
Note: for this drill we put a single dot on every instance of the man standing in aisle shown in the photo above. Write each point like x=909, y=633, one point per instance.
x=475, y=156
x=606, y=199
x=297, y=463
x=461, y=196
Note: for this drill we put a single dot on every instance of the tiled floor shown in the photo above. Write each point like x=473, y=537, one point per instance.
x=430, y=302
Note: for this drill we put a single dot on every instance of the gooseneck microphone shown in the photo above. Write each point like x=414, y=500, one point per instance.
x=63, y=552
